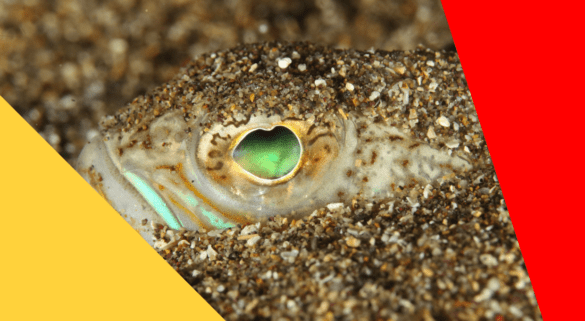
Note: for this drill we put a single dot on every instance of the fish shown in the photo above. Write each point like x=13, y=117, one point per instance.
x=281, y=129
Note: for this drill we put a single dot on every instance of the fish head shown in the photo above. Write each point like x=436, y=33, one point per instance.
x=217, y=147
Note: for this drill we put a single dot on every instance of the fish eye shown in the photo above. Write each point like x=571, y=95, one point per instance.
x=269, y=154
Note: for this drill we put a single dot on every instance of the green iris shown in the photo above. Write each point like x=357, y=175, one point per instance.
x=269, y=154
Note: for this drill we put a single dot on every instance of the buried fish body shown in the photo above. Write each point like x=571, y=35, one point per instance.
x=261, y=130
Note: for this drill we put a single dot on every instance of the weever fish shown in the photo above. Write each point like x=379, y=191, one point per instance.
x=261, y=130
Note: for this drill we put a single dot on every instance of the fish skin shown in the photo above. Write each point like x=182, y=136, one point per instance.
x=373, y=124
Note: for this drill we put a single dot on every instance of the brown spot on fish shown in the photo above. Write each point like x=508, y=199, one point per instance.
x=312, y=141
x=214, y=153
x=394, y=137
x=217, y=167
x=311, y=129
x=216, y=136
x=414, y=145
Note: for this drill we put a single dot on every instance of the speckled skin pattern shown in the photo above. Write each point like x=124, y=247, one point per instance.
x=404, y=244
x=350, y=124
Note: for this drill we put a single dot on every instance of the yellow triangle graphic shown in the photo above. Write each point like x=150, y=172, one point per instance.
x=66, y=253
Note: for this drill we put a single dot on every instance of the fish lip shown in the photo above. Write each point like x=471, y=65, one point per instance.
x=95, y=165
